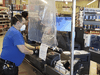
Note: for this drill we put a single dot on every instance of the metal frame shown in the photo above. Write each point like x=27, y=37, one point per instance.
x=73, y=36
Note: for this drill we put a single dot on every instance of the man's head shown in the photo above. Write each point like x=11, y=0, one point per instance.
x=18, y=21
x=25, y=14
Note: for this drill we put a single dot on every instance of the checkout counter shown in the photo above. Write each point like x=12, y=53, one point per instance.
x=58, y=62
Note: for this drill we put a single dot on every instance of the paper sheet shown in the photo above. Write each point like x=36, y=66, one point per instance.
x=43, y=51
x=87, y=39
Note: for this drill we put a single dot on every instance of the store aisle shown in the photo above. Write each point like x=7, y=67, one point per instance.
x=93, y=68
x=26, y=69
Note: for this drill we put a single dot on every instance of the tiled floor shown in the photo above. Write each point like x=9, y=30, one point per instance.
x=1, y=42
x=24, y=69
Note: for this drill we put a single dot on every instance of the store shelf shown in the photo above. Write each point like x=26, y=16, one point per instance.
x=97, y=13
x=3, y=18
x=17, y=10
x=2, y=28
x=4, y=14
x=92, y=30
x=98, y=52
x=5, y=21
x=90, y=13
x=4, y=24
x=1, y=7
x=91, y=22
x=4, y=32
x=3, y=11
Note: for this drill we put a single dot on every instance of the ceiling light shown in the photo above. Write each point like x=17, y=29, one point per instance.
x=44, y=1
x=66, y=2
x=23, y=1
x=91, y=2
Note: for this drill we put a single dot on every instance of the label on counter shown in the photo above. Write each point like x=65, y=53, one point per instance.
x=43, y=51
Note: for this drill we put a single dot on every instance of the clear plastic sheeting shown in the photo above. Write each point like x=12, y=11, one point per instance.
x=42, y=22
x=60, y=68
x=64, y=40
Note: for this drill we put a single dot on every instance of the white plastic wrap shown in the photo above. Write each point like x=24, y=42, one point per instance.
x=42, y=22
x=60, y=68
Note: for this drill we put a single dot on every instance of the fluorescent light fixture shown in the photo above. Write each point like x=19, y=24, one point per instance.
x=23, y=1
x=91, y=2
x=44, y=1
x=66, y=2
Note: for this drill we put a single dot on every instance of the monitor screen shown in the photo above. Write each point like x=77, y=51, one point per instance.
x=63, y=23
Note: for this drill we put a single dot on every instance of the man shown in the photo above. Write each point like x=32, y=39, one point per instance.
x=14, y=48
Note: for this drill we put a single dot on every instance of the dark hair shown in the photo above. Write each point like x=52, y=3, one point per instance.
x=16, y=18
x=24, y=14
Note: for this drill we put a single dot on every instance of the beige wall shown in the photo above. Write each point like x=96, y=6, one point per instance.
x=81, y=3
x=18, y=2
x=59, y=5
x=25, y=2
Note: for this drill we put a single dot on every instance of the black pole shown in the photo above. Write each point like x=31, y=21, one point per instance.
x=11, y=13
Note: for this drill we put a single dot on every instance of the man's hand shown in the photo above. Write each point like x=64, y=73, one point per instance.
x=36, y=51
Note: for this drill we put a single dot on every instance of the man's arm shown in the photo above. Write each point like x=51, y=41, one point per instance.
x=29, y=46
x=24, y=50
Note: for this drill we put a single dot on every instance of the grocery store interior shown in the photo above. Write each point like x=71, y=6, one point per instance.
x=67, y=33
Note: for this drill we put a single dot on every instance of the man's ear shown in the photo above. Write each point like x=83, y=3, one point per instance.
x=17, y=22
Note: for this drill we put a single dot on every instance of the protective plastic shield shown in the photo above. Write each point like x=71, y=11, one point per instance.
x=42, y=22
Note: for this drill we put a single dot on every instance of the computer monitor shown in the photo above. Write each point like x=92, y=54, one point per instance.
x=63, y=23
